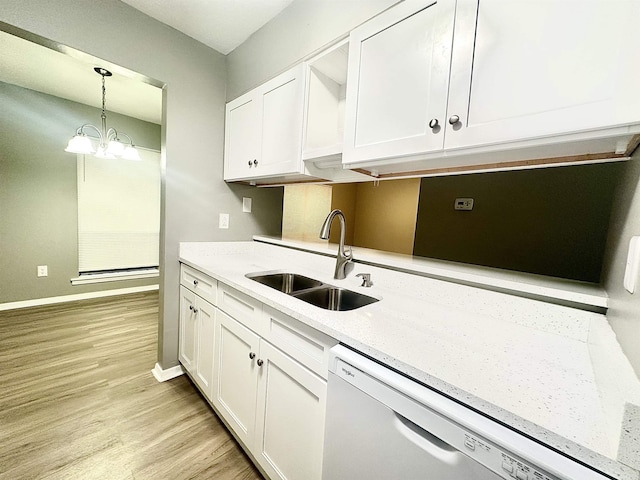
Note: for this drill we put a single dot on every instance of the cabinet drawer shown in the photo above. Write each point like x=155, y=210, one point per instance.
x=243, y=308
x=305, y=344
x=199, y=283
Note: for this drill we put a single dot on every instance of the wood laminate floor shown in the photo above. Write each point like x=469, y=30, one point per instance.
x=78, y=400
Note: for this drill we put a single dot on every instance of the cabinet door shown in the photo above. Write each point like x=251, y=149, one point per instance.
x=242, y=137
x=187, y=347
x=206, y=314
x=397, y=82
x=281, y=124
x=290, y=417
x=235, y=363
x=530, y=69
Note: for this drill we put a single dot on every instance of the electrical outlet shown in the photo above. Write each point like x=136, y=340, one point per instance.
x=43, y=271
x=223, y=221
x=463, y=204
x=246, y=204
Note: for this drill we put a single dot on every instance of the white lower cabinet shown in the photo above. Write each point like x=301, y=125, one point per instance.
x=235, y=391
x=188, y=330
x=289, y=418
x=274, y=405
x=263, y=371
x=195, y=350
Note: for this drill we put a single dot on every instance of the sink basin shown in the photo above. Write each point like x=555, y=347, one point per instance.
x=334, y=298
x=286, y=282
x=313, y=291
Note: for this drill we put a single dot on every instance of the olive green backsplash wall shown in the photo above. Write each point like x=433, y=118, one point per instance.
x=38, y=192
x=550, y=221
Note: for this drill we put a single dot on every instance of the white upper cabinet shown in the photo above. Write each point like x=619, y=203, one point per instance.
x=498, y=81
x=398, y=80
x=538, y=68
x=263, y=131
x=242, y=137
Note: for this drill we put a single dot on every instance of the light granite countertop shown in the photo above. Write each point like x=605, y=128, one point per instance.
x=552, y=371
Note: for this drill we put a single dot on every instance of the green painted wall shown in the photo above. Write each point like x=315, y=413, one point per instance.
x=550, y=221
x=38, y=192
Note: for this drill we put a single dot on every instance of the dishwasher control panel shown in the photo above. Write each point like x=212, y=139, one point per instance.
x=499, y=461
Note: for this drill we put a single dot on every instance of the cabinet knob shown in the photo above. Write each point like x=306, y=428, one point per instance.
x=195, y=310
x=260, y=362
x=195, y=283
x=250, y=163
x=255, y=162
x=433, y=123
x=191, y=307
x=252, y=355
x=453, y=119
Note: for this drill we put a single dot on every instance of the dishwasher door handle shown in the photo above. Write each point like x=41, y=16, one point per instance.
x=426, y=441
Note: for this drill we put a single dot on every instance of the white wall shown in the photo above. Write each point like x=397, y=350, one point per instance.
x=624, y=308
x=193, y=127
x=299, y=30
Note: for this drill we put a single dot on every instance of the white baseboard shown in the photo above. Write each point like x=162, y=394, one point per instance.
x=164, y=375
x=36, y=302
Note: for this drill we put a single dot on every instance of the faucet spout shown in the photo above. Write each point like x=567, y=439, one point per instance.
x=342, y=258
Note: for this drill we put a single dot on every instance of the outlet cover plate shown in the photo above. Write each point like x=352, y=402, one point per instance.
x=223, y=221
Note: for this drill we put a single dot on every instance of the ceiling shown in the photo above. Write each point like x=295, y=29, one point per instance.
x=220, y=24
x=39, y=68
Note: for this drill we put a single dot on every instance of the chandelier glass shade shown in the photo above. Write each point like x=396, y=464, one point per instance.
x=109, y=144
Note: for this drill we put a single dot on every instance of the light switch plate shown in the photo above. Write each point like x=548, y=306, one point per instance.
x=223, y=221
x=246, y=204
x=43, y=271
x=633, y=265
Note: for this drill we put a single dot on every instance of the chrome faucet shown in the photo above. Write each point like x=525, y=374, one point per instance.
x=343, y=258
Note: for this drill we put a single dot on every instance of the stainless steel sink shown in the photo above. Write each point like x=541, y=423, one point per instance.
x=334, y=298
x=313, y=291
x=286, y=282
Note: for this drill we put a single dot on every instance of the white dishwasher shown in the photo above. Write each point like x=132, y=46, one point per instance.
x=380, y=425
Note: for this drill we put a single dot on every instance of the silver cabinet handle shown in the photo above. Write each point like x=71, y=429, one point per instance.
x=260, y=362
x=453, y=119
x=433, y=123
x=195, y=283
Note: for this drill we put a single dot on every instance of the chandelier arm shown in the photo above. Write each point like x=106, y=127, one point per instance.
x=80, y=130
x=130, y=139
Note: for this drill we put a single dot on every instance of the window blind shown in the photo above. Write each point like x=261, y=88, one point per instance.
x=118, y=212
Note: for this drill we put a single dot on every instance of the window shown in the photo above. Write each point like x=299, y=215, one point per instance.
x=118, y=213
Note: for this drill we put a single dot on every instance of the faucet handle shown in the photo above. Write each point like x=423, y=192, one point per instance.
x=366, y=279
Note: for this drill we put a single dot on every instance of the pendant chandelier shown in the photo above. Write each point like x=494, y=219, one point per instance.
x=110, y=146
